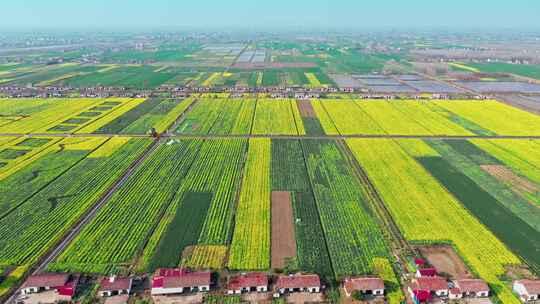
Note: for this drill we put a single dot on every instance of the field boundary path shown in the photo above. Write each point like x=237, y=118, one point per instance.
x=56, y=250
x=321, y=137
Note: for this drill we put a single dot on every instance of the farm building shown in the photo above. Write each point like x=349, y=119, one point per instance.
x=251, y=282
x=469, y=288
x=298, y=283
x=419, y=262
x=177, y=281
x=113, y=286
x=62, y=283
x=424, y=288
x=528, y=290
x=426, y=272
x=370, y=286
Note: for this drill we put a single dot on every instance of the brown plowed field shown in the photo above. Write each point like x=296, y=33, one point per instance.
x=306, y=109
x=283, y=240
x=446, y=260
x=506, y=175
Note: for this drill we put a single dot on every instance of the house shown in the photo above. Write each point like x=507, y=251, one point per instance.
x=455, y=294
x=472, y=288
x=371, y=286
x=177, y=281
x=528, y=290
x=298, y=283
x=113, y=286
x=419, y=262
x=426, y=272
x=251, y=282
x=424, y=288
x=62, y=283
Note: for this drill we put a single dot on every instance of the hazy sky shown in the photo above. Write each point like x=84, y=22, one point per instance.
x=269, y=13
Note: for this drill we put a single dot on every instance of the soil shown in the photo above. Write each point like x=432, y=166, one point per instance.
x=186, y=253
x=506, y=175
x=445, y=260
x=256, y=297
x=283, y=239
x=179, y=299
x=519, y=272
x=305, y=297
x=306, y=109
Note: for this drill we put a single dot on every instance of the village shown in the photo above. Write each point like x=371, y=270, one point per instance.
x=170, y=285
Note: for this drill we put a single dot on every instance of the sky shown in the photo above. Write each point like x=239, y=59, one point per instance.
x=269, y=14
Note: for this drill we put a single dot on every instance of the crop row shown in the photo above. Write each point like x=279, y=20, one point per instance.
x=425, y=211
x=352, y=234
x=278, y=117
x=31, y=115
x=119, y=230
x=250, y=247
x=48, y=164
x=212, y=180
x=202, y=118
x=289, y=173
x=236, y=117
x=30, y=230
x=464, y=170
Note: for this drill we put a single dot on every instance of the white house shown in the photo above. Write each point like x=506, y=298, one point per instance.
x=372, y=286
x=177, y=281
x=423, y=288
x=472, y=288
x=250, y=282
x=298, y=283
x=528, y=290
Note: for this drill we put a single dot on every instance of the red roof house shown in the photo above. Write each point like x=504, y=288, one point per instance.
x=113, y=286
x=374, y=286
x=421, y=296
x=254, y=281
x=419, y=262
x=298, y=283
x=432, y=285
x=176, y=281
x=64, y=284
x=426, y=272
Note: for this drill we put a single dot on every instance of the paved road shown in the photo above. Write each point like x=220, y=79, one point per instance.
x=321, y=137
x=86, y=218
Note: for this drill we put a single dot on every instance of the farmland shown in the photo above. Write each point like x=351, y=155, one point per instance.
x=110, y=242
x=426, y=203
x=274, y=184
x=250, y=247
x=35, y=222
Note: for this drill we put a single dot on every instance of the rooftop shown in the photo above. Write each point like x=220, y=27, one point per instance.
x=47, y=280
x=298, y=281
x=472, y=285
x=248, y=280
x=174, y=278
x=532, y=286
x=353, y=284
x=115, y=283
x=430, y=283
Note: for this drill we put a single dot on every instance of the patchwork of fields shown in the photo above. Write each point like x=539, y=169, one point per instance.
x=204, y=195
